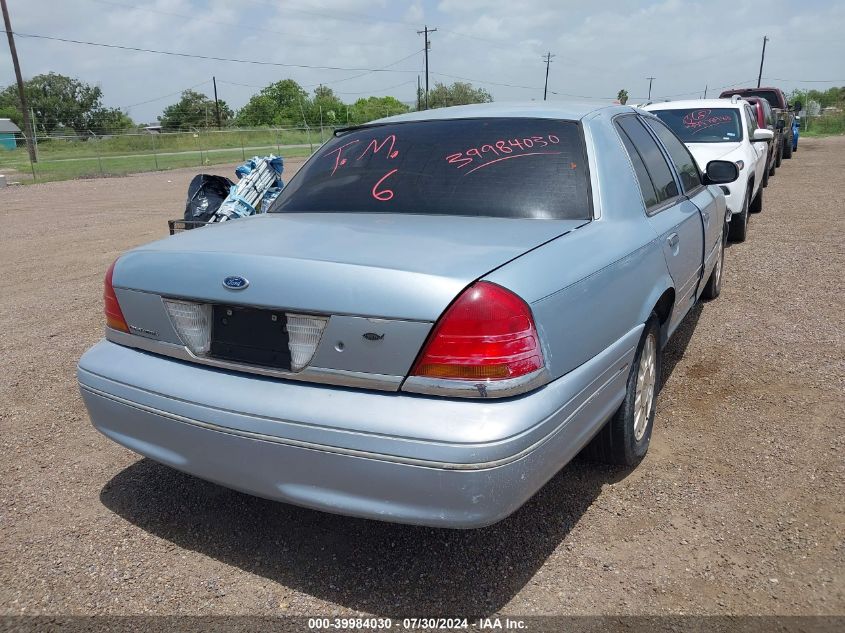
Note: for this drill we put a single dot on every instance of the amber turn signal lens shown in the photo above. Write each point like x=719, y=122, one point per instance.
x=114, y=315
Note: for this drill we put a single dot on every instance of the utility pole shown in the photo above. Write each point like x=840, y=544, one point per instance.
x=27, y=122
x=705, y=90
x=650, y=79
x=548, y=60
x=419, y=90
x=762, y=57
x=34, y=127
x=216, y=105
x=426, y=31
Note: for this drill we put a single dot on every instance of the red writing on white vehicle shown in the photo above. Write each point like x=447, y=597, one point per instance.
x=701, y=119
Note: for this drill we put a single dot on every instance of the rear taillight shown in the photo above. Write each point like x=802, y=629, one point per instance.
x=114, y=315
x=487, y=334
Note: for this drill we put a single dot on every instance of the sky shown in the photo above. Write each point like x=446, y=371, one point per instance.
x=598, y=47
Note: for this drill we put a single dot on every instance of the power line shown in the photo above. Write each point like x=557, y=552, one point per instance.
x=481, y=81
x=206, y=57
x=235, y=83
x=331, y=83
x=382, y=68
x=404, y=83
x=171, y=94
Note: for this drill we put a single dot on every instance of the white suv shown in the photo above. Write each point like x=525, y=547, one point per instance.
x=724, y=129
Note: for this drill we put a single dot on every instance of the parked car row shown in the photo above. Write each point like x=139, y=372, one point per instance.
x=785, y=114
x=753, y=127
x=439, y=311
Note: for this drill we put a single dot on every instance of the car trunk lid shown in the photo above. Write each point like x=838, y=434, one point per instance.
x=377, y=265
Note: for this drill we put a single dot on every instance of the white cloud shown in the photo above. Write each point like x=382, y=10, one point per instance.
x=600, y=47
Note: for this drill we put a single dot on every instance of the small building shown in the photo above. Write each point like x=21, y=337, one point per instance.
x=8, y=132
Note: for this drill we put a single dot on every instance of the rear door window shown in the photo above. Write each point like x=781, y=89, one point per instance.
x=494, y=167
x=769, y=95
x=655, y=163
x=684, y=162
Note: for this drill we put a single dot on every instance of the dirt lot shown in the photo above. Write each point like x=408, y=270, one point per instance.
x=738, y=508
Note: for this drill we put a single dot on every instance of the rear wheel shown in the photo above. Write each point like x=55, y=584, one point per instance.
x=772, y=168
x=779, y=155
x=714, y=285
x=738, y=227
x=787, y=149
x=625, y=438
x=765, y=182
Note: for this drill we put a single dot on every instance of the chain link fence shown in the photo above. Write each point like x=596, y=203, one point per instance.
x=61, y=157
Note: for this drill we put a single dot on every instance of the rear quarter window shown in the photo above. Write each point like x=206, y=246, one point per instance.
x=493, y=167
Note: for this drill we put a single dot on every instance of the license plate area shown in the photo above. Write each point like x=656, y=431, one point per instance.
x=252, y=336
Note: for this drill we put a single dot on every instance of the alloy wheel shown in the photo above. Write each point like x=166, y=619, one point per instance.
x=646, y=383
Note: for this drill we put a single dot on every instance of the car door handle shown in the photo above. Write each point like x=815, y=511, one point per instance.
x=673, y=240
x=706, y=216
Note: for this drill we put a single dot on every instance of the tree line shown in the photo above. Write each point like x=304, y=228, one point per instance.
x=830, y=98
x=66, y=105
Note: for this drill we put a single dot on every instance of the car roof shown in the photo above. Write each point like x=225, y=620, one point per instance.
x=741, y=90
x=692, y=103
x=560, y=110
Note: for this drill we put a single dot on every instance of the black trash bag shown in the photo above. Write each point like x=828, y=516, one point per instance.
x=205, y=195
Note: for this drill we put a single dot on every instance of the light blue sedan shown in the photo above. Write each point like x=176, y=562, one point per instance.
x=440, y=311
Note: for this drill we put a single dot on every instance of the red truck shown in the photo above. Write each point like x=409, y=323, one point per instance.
x=766, y=120
x=783, y=112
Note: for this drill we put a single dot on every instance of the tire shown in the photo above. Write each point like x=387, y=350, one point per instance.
x=787, y=150
x=625, y=438
x=756, y=205
x=713, y=287
x=738, y=227
x=765, y=182
x=772, y=169
x=779, y=155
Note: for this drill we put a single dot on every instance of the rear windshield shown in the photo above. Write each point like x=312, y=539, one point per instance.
x=510, y=167
x=769, y=95
x=703, y=125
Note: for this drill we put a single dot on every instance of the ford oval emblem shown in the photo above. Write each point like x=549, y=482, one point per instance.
x=235, y=283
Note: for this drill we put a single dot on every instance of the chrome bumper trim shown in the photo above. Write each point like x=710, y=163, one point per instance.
x=477, y=389
x=321, y=375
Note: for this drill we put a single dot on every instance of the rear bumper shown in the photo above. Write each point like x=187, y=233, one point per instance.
x=422, y=460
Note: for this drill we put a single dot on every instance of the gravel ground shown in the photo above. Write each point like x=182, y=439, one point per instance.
x=736, y=510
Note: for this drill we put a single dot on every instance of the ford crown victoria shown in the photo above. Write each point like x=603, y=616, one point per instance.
x=439, y=311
